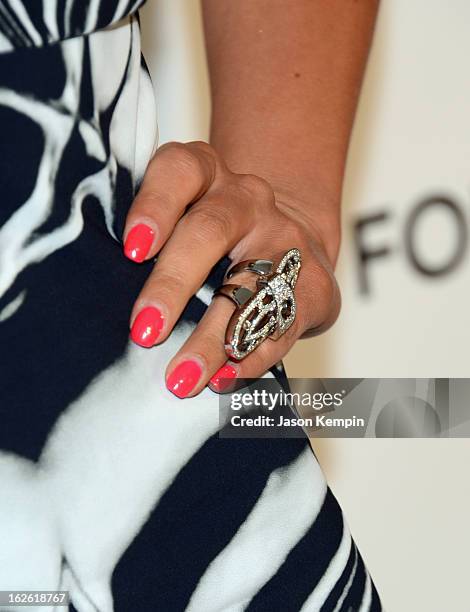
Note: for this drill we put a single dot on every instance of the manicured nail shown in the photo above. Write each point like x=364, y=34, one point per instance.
x=184, y=378
x=147, y=326
x=138, y=242
x=222, y=379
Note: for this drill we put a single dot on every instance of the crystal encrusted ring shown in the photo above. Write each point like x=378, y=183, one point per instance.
x=267, y=312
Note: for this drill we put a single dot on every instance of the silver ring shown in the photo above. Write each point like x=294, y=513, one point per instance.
x=267, y=312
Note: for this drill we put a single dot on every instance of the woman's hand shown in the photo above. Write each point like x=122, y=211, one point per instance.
x=192, y=210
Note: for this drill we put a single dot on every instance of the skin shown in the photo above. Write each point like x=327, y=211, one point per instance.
x=285, y=80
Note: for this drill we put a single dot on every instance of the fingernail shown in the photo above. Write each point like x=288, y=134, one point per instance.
x=184, y=378
x=147, y=326
x=222, y=379
x=138, y=242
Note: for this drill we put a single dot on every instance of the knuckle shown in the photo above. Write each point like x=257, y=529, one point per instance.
x=188, y=163
x=173, y=145
x=257, y=187
x=183, y=159
x=321, y=298
x=202, y=146
x=303, y=319
x=171, y=148
x=205, y=157
x=326, y=285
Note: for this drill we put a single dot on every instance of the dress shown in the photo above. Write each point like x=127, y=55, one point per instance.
x=111, y=487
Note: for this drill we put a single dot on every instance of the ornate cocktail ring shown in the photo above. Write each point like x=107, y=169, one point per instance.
x=266, y=312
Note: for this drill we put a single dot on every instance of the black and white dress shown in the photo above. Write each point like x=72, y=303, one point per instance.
x=111, y=487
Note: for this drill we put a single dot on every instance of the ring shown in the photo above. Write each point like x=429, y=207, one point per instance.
x=267, y=312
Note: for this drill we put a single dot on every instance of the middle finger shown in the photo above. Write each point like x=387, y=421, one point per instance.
x=209, y=230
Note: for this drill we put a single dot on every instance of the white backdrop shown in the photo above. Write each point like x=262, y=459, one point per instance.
x=407, y=501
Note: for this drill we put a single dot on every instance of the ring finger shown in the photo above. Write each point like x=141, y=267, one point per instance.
x=203, y=359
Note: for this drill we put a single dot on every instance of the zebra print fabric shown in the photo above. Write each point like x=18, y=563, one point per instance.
x=34, y=23
x=111, y=487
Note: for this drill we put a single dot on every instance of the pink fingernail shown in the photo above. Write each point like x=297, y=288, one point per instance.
x=223, y=378
x=138, y=242
x=184, y=378
x=147, y=326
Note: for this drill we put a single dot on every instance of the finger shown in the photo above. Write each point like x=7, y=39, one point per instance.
x=264, y=357
x=201, y=238
x=177, y=175
x=203, y=353
x=202, y=359
x=318, y=302
x=254, y=365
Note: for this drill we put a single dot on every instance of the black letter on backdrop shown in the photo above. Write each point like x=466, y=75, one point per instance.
x=365, y=255
x=462, y=236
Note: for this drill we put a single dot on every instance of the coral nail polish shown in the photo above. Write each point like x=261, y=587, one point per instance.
x=138, y=242
x=184, y=378
x=222, y=379
x=147, y=326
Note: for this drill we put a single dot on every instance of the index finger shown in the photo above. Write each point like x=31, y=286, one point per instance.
x=177, y=175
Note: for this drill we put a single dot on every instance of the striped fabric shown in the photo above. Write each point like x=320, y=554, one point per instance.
x=34, y=23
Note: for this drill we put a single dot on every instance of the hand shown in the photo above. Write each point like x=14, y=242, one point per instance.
x=192, y=210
